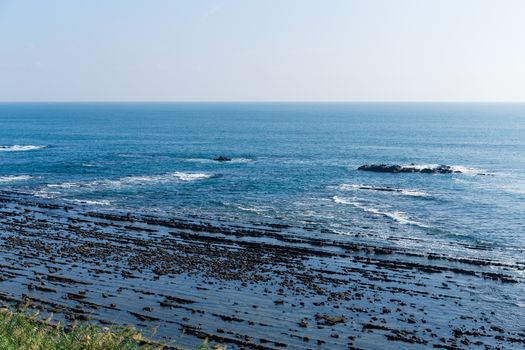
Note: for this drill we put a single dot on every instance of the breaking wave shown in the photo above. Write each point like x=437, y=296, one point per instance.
x=135, y=180
x=90, y=202
x=182, y=176
x=14, y=178
x=20, y=148
x=460, y=168
x=397, y=216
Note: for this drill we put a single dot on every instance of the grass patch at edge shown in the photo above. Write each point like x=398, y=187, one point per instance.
x=20, y=330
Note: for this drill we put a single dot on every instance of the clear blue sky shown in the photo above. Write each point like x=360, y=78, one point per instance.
x=240, y=50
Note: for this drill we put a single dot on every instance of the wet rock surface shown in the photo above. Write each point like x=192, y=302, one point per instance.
x=223, y=159
x=251, y=286
x=383, y=168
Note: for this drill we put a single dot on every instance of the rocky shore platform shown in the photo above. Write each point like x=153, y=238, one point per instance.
x=252, y=285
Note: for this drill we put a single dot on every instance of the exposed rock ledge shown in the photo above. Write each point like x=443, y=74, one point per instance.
x=383, y=168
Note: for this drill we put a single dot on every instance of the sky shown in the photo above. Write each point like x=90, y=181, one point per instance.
x=262, y=50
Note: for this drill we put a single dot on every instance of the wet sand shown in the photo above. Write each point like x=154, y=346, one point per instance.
x=251, y=285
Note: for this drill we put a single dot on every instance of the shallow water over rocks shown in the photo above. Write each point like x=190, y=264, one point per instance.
x=253, y=285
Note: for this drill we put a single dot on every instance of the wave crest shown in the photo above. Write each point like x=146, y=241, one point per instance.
x=397, y=216
x=90, y=202
x=14, y=178
x=134, y=181
x=20, y=148
x=178, y=175
x=459, y=168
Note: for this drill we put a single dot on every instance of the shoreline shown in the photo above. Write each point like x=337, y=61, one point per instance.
x=251, y=286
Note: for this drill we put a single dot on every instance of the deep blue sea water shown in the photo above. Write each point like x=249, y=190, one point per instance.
x=292, y=163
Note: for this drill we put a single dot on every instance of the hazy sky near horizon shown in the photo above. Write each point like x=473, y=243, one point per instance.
x=271, y=50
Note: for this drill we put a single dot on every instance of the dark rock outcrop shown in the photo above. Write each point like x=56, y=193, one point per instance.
x=383, y=168
x=222, y=159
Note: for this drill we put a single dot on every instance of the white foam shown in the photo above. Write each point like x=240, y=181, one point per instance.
x=191, y=176
x=182, y=176
x=347, y=187
x=414, y=193
x=65, y=185
x=255, y=210
x=46, y=194
x=90, y=202
x=134, y=181
x=468, y=170
x=20, y=148
x=264, y=211
x=420, y=166
x=14, y=178
x=402, y=191
x=397, y=216
x=209, y=161
x=461, y=168
x=240, y=160
x=344, y=233
x=341, y=200
x=200, y=160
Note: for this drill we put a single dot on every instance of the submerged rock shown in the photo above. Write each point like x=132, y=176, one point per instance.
x=383, y=168
x=222, y=159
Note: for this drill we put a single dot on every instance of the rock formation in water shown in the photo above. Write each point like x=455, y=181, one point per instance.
x=383, y=168
x=223, y=159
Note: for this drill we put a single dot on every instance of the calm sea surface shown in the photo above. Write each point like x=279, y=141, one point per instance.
x=292, y=164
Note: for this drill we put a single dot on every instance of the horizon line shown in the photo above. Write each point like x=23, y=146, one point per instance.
x=262, y=101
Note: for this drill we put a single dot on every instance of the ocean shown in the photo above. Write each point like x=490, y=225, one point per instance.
x=294, y=166
x=291, y=163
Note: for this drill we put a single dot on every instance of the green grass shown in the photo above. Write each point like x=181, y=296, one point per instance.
x=20, y=330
